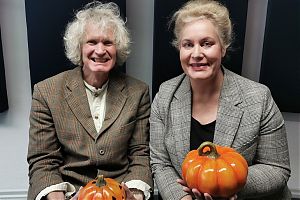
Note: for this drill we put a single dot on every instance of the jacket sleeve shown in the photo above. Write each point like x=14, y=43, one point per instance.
x=271, y=168
x=138, y=147
x=44, y=155
x=165, y=174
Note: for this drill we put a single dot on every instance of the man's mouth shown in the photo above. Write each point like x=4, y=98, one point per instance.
x=100, y=60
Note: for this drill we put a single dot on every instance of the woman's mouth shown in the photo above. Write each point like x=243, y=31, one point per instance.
x=199, y=65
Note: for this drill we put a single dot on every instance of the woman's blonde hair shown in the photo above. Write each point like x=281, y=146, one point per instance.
x=214, y=11
x=105, y=16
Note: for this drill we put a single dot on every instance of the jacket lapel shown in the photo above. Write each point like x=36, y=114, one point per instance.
x=115, y=101
x=77, y=100
x=229, y=114
x=181, y=118
x=228, y=117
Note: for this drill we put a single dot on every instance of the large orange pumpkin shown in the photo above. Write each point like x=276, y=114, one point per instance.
x=102, y=189
x=217, y=170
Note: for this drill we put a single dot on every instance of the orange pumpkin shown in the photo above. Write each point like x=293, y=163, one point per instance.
x=102, y=189
x=216, y=170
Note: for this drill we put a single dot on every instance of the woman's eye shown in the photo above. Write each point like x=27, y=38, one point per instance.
x=207, y=44
x=187, y=45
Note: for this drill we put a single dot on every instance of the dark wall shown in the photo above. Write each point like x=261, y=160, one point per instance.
x=46, y=21
x=3, y=94
x=280, y=68
x=166, y=62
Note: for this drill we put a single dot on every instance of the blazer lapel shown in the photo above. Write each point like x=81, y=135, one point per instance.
x=77, y=100
x=181, y=118
x=229, y=114
x=115, y=101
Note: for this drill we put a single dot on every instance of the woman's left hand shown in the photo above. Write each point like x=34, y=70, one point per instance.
x=200, y=196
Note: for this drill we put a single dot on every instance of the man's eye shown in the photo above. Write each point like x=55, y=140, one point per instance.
x=108, y=43
x=91, y=42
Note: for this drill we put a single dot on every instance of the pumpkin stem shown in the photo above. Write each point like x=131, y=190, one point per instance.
x=211, y=153
x=100, y=181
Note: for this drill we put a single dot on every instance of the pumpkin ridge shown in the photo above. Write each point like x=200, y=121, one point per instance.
x=220, y=176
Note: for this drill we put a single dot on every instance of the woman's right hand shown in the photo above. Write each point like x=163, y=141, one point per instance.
x=198, y=195
x=187, y=197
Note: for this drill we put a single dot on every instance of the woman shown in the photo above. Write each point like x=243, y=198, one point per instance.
x=92, y=119
x=210, y=103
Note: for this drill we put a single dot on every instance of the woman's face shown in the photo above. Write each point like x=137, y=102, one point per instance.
x=200, y=50
x=99, y=52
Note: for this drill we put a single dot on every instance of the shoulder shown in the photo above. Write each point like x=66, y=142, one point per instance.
x=167, y=91
x=57, y=81
x=130, y=83
x=169, y=87
x=130, y=86
x=245, y=85
x=134, y=83
x=249, y=91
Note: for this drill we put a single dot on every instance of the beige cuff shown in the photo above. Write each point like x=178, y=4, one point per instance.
x=141, y=185
x=66, y=187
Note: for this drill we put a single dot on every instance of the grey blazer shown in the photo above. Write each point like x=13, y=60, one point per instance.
x=248, y=120
x=64, y=144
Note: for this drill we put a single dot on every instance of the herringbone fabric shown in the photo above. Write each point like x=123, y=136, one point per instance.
x=64, y=144
x=248, y=120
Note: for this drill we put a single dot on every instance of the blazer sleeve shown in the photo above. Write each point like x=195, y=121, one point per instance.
x=44, y=158
x=270, y=170
x=138, y=147
x=165, y=174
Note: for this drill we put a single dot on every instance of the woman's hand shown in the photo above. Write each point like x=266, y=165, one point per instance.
x=199, y=195
x=132, y=195
x=187, y=197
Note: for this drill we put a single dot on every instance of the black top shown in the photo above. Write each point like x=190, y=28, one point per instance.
x=201, y=133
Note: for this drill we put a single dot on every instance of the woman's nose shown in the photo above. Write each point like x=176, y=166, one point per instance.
x=197, y=52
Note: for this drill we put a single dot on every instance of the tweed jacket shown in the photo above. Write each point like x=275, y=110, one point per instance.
x=64, y=145
x=248, y=120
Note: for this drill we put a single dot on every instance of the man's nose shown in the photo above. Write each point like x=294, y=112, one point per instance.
x=100, y=48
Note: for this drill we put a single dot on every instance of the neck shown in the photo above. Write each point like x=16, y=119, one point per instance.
x=95, y=80
x=207, y=90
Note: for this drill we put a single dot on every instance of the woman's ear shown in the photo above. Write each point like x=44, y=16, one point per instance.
x=224, y=51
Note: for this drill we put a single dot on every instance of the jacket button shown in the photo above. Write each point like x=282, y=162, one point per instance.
x=101, y=152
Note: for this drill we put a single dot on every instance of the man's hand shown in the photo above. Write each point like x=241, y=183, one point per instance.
x=75, y=197
x=56, y=195
x=133, y=194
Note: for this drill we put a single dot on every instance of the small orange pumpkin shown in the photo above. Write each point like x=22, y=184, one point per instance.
x=216, y=170
x=102, y=189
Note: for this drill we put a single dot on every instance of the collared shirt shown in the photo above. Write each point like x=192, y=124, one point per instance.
x=96, y=99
